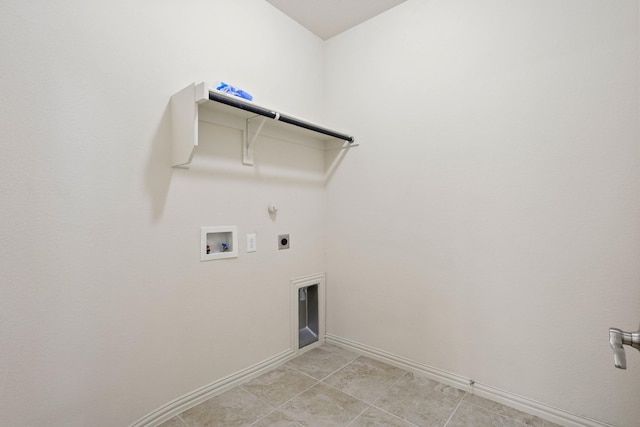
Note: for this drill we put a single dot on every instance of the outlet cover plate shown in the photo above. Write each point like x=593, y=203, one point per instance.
x=251, y=243
x=283, y=241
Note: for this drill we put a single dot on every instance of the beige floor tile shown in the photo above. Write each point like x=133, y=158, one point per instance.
x=365, y=378
x=497, y=408
x=279, y=385
x=374, y=417
x=279, y=419
x=233, y=408
x=173, y=422
x=331, y=387
x=319, y=363
x=339, y=351
x=420, y=400
x=468, y=415
x=320, y=406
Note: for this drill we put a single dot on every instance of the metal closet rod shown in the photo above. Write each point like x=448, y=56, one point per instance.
x=223, y=99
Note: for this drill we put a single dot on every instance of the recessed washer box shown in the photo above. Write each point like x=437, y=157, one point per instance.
x=218, y=242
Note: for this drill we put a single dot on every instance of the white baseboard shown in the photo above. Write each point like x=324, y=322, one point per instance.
x=198, y=396
x=523, y=404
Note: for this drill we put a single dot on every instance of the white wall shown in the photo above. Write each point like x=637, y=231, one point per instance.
x=106, y=311
x=489, y=225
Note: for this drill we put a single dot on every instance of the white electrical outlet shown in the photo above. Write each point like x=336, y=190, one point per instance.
x=251, y=243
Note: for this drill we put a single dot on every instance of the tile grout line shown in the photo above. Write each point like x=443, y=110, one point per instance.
x=317, y=381
x=384, y=392
x=264, y=416
x=258, y=397
x=369, y=405
x=344, y=392
x=182, y=421
x=341, y=367
x=395, y=416
x=518, y=421
x=321, y=381
x=387, y=389
x=331, y=373
x=372, y=405
x=454, y=411
x=356, y=397
x=304, y=373
x=344, y=360
x=358, y=416
x=275, y=408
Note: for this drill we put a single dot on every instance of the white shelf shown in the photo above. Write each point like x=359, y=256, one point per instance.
x=196, y=100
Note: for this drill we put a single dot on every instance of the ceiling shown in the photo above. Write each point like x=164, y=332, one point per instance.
x=327, y=18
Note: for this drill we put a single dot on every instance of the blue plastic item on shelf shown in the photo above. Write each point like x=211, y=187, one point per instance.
x=231, y=90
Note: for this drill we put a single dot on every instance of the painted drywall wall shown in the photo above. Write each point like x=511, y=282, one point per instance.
x=107, y=312
x=489, y=223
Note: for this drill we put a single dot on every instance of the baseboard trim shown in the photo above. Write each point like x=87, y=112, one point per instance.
x=198, y=396
x=521, y=403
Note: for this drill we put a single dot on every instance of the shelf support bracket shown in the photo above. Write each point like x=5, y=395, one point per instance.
x=250, y=137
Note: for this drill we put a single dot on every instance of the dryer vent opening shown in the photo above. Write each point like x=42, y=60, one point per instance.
x=308, y=315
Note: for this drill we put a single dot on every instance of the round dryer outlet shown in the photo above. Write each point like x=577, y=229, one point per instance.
x=283, y=241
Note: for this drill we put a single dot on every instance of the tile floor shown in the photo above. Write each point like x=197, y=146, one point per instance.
x=330, y=386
